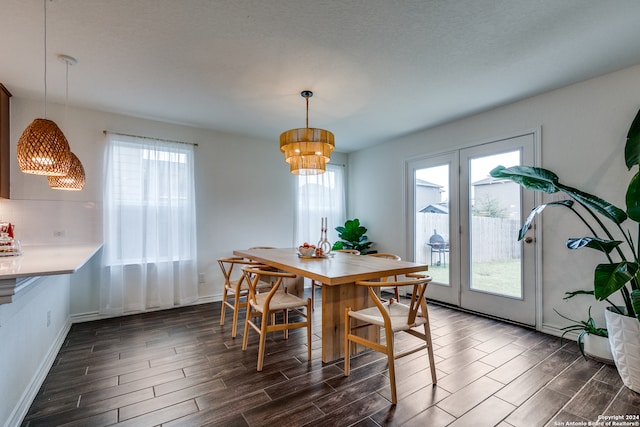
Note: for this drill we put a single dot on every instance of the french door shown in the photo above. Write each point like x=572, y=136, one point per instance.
x=464, y=224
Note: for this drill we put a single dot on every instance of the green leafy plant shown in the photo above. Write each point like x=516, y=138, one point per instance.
x=353, y=237
x=586, y=327
x=622, y=271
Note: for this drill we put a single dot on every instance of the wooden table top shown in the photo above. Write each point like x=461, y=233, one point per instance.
x=336, y=270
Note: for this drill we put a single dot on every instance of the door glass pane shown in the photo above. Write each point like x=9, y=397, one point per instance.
x=495, y=220
x=432, y=221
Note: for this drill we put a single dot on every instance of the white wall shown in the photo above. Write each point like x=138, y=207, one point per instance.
x=243, y=190
x=244, y=198
x=584, y=130
x=32, y=329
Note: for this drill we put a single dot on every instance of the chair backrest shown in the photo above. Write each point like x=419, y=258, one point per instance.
x=261, y=247
x=253, y=276
x=387, y=256
x=227, y=265
x=348, y=251
x=417, y=302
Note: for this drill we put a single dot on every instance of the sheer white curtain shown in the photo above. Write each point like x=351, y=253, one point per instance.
x=149, y=226
x=319, y=196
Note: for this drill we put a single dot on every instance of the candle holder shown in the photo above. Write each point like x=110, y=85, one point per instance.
x=323, y=244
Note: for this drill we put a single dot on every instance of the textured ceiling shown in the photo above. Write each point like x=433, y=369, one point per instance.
x=378, y=68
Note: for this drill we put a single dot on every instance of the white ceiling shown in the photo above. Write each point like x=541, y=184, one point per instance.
x=378, y=68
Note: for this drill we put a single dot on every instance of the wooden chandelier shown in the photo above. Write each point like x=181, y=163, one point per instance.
x=307, y=150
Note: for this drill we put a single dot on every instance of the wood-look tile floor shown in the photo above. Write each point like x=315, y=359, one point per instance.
x=180, y=368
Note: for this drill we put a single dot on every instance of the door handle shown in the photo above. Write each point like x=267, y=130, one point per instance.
x=528, y=239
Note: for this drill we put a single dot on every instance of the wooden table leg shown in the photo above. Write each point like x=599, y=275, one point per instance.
x=334, y=300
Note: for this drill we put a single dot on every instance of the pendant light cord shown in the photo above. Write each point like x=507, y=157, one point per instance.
x=45, y=58
x=66, y=94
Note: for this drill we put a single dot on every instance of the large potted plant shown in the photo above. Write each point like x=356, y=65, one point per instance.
x=615, y=233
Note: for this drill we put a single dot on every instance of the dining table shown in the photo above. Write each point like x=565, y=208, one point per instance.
x=338, y=272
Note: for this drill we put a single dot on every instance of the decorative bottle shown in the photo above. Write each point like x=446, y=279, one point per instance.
x=324, y=246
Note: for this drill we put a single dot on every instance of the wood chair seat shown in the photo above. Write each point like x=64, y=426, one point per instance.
x=398, y=314
x=279, y=301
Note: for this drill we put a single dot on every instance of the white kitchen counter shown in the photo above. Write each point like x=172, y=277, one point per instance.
x=41, y=260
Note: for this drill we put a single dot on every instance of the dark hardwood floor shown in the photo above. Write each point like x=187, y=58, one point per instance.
x=180, y=368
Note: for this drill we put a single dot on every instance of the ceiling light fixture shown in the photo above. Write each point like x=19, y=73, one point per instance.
x=74, y=180
x=307, y=150
x=42, y=147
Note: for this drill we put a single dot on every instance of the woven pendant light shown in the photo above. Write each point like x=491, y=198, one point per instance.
x=307, y=150
x=42, y=147
x=72, y=181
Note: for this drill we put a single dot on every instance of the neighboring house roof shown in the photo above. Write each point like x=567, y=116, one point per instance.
x=423, y=183
x=490, y=180
x=437, y=208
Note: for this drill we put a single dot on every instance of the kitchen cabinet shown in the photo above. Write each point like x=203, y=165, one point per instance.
x=5, y=151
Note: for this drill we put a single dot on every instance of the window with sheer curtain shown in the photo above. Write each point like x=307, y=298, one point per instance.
x=150, y=258
x=319, y=196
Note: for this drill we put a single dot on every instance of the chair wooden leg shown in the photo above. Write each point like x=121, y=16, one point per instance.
x=432, y=364
x=347, y=349
x=236, y=308
x=308, y=329
x=245, y=336
x=313, y=295
x=392, y=366
x=263, y=341
x=285, y=314
x=224, y=306
x=397, y=294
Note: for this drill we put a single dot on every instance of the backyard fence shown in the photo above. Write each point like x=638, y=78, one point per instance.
x=494, y=239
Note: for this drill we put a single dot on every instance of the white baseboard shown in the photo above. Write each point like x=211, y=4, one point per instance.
x=94, y=315
x=208, y=299
x=87, y=317
x=556, y=331
x=20, y=411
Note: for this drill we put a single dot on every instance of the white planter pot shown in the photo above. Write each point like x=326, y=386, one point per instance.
x=624, y=338
x=597, y=348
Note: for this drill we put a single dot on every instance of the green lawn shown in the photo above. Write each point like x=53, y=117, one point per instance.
x=502, y=277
